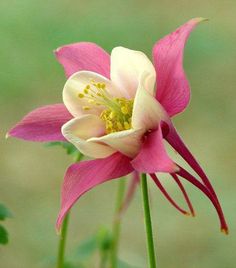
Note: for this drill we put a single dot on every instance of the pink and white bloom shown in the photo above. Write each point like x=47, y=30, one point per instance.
x=117, y=110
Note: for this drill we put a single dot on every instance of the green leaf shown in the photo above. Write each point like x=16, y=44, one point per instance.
x=104, y=239
x=86, y=248
x=4, y=212
x=70, y=148
x=3, y=235
x=53, y=143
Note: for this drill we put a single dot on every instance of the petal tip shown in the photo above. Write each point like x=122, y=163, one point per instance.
x=58, y=225
x=200, y=19
x=7, y=135
x=190, y=214
x=58, y=231
x=193, y=214
x=57, y=50
x=175, y=167
x=225, y=230
x=187, y=213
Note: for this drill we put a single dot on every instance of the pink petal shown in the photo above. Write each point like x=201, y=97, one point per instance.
x=152, y=156
x=84, y=56
x=173, y=90
x=176, y=142
x=186, y=175
x=43, y=124
x=81, y=177
x=179, y=183
x=167, y=196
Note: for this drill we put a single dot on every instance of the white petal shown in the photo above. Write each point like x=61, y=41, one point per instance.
x=147, y=111
x=127, y=142
x=79, y=130
x=127, y=67
x=76, y=84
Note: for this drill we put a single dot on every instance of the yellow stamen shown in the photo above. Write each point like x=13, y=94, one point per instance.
x=119, y=126
x=126, y=125
x=124, y=110
x=112, y=115
x=117, y=112
x=86, y=108
x=81, y=95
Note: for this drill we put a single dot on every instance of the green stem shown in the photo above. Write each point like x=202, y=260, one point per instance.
x=63, y=236
x=117, y=223
x=62, y=242
x=148, y=223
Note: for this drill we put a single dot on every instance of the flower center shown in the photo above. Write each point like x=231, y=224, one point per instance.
x=117, y=112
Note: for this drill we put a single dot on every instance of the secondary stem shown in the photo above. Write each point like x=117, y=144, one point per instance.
x=62, y=242
x=78, y=157
x=103, y=259
x=148, y=223
x=117, y=223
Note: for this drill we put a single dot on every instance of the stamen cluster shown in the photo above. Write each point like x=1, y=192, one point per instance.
x=117, y=112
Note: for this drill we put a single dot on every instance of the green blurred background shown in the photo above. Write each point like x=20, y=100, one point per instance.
x=31, y=174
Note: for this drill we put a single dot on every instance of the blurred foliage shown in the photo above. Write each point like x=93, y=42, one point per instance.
x=101, y=241
x=96, y=247
x=69, y=148
x=4, y=213
x=31, y=176
x=3, y=235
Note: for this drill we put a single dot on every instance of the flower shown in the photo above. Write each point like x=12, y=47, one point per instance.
x=117, y=109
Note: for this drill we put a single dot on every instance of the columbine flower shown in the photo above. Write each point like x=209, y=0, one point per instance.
x=118, y=109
